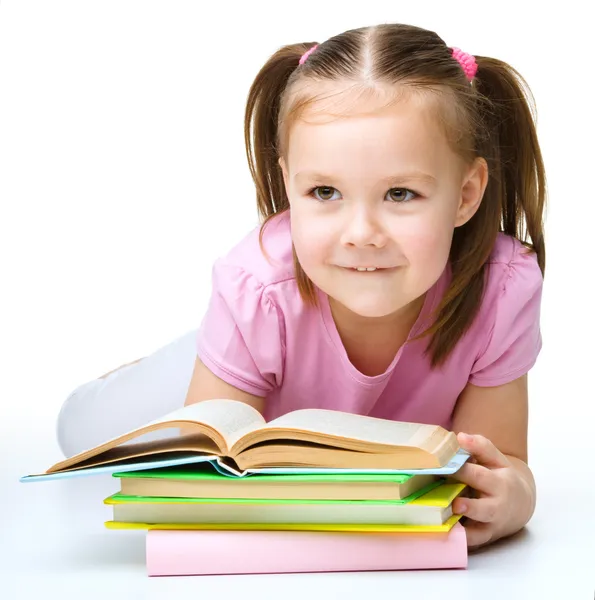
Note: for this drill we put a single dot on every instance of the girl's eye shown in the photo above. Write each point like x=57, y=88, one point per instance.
x=399, y=195
x=325, y=193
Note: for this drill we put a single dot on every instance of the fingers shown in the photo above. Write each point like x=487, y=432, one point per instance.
x=478, y=534
x=485, y=475
x=480, y=513
x=478, y=477
x=482, y=510
x=483, y=450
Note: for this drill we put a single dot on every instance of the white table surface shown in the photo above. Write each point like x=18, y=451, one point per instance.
x=53, y=543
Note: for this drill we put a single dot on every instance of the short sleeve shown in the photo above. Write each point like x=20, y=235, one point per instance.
x=240, y=339
x=515, y=340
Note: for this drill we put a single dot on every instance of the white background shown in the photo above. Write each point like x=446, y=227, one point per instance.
x=123, y=177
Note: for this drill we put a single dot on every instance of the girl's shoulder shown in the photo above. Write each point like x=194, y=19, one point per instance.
x=507, y=333
x=242, y=335
x=264, y=260
x=513, y=267
x=507, y=248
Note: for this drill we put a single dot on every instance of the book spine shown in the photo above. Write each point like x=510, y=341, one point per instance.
x=198, y=552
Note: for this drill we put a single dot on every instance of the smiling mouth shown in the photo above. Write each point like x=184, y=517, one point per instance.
x=369, y=269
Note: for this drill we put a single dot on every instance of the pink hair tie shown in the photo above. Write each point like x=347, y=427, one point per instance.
x=306, y=54
x=467, y=62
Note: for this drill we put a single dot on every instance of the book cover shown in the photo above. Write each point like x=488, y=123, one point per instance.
x=189, y=482
x=378, y=528
x=176, y=552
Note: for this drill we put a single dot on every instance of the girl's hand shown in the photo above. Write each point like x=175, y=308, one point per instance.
x=503, y=502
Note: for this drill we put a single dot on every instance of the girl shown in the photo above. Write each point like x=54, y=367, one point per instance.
x=393, y=276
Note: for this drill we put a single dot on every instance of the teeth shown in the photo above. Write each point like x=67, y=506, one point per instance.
x=365, y=268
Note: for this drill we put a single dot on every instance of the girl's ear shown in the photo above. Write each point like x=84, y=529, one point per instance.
x=474, y=185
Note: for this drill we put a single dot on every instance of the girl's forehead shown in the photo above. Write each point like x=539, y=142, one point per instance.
x=389, y=120
x=370, y=144
x=348, y=107
x=401, y=124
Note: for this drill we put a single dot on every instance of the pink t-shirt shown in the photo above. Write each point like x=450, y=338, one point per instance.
x=259, y=336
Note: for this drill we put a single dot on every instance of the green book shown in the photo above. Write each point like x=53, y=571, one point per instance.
x=120, y=498
x=188, y=482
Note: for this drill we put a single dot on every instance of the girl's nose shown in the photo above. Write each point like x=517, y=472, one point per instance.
x=363, y=228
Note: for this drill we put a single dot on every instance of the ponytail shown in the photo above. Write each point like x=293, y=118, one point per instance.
x=513, y=201
x=261, y=123
x=261, y=137
x=519, y=179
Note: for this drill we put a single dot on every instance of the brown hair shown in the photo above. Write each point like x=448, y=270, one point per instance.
x=493, y=118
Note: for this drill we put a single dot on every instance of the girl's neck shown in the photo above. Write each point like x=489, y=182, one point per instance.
x=371, y=343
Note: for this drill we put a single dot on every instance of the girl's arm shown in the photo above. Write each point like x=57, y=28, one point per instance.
x=496, y=418
x=204, y=385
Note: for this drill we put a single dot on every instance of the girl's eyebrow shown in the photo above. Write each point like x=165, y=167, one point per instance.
x=390, y=180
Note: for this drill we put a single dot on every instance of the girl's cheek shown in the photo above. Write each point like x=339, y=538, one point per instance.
x=311, y=243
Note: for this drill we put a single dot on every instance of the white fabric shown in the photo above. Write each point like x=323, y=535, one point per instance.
x=128, y=398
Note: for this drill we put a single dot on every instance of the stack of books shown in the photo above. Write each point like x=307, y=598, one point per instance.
x=312, y=491
x=208, y=523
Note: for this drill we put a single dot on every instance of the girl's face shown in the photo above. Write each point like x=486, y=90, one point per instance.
x=374, y=201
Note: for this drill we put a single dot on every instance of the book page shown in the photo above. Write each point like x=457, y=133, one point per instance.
x=231, y=414
x=131, y=448
x=230, y=418
x=216, y=419
x=352, y=426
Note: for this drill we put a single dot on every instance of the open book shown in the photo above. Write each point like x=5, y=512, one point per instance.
x=237, y=436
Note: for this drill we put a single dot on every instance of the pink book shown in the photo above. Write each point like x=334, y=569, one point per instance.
x=207, y=552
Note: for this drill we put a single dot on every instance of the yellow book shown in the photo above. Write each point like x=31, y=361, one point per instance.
x=441, y=496
x=444, y=527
